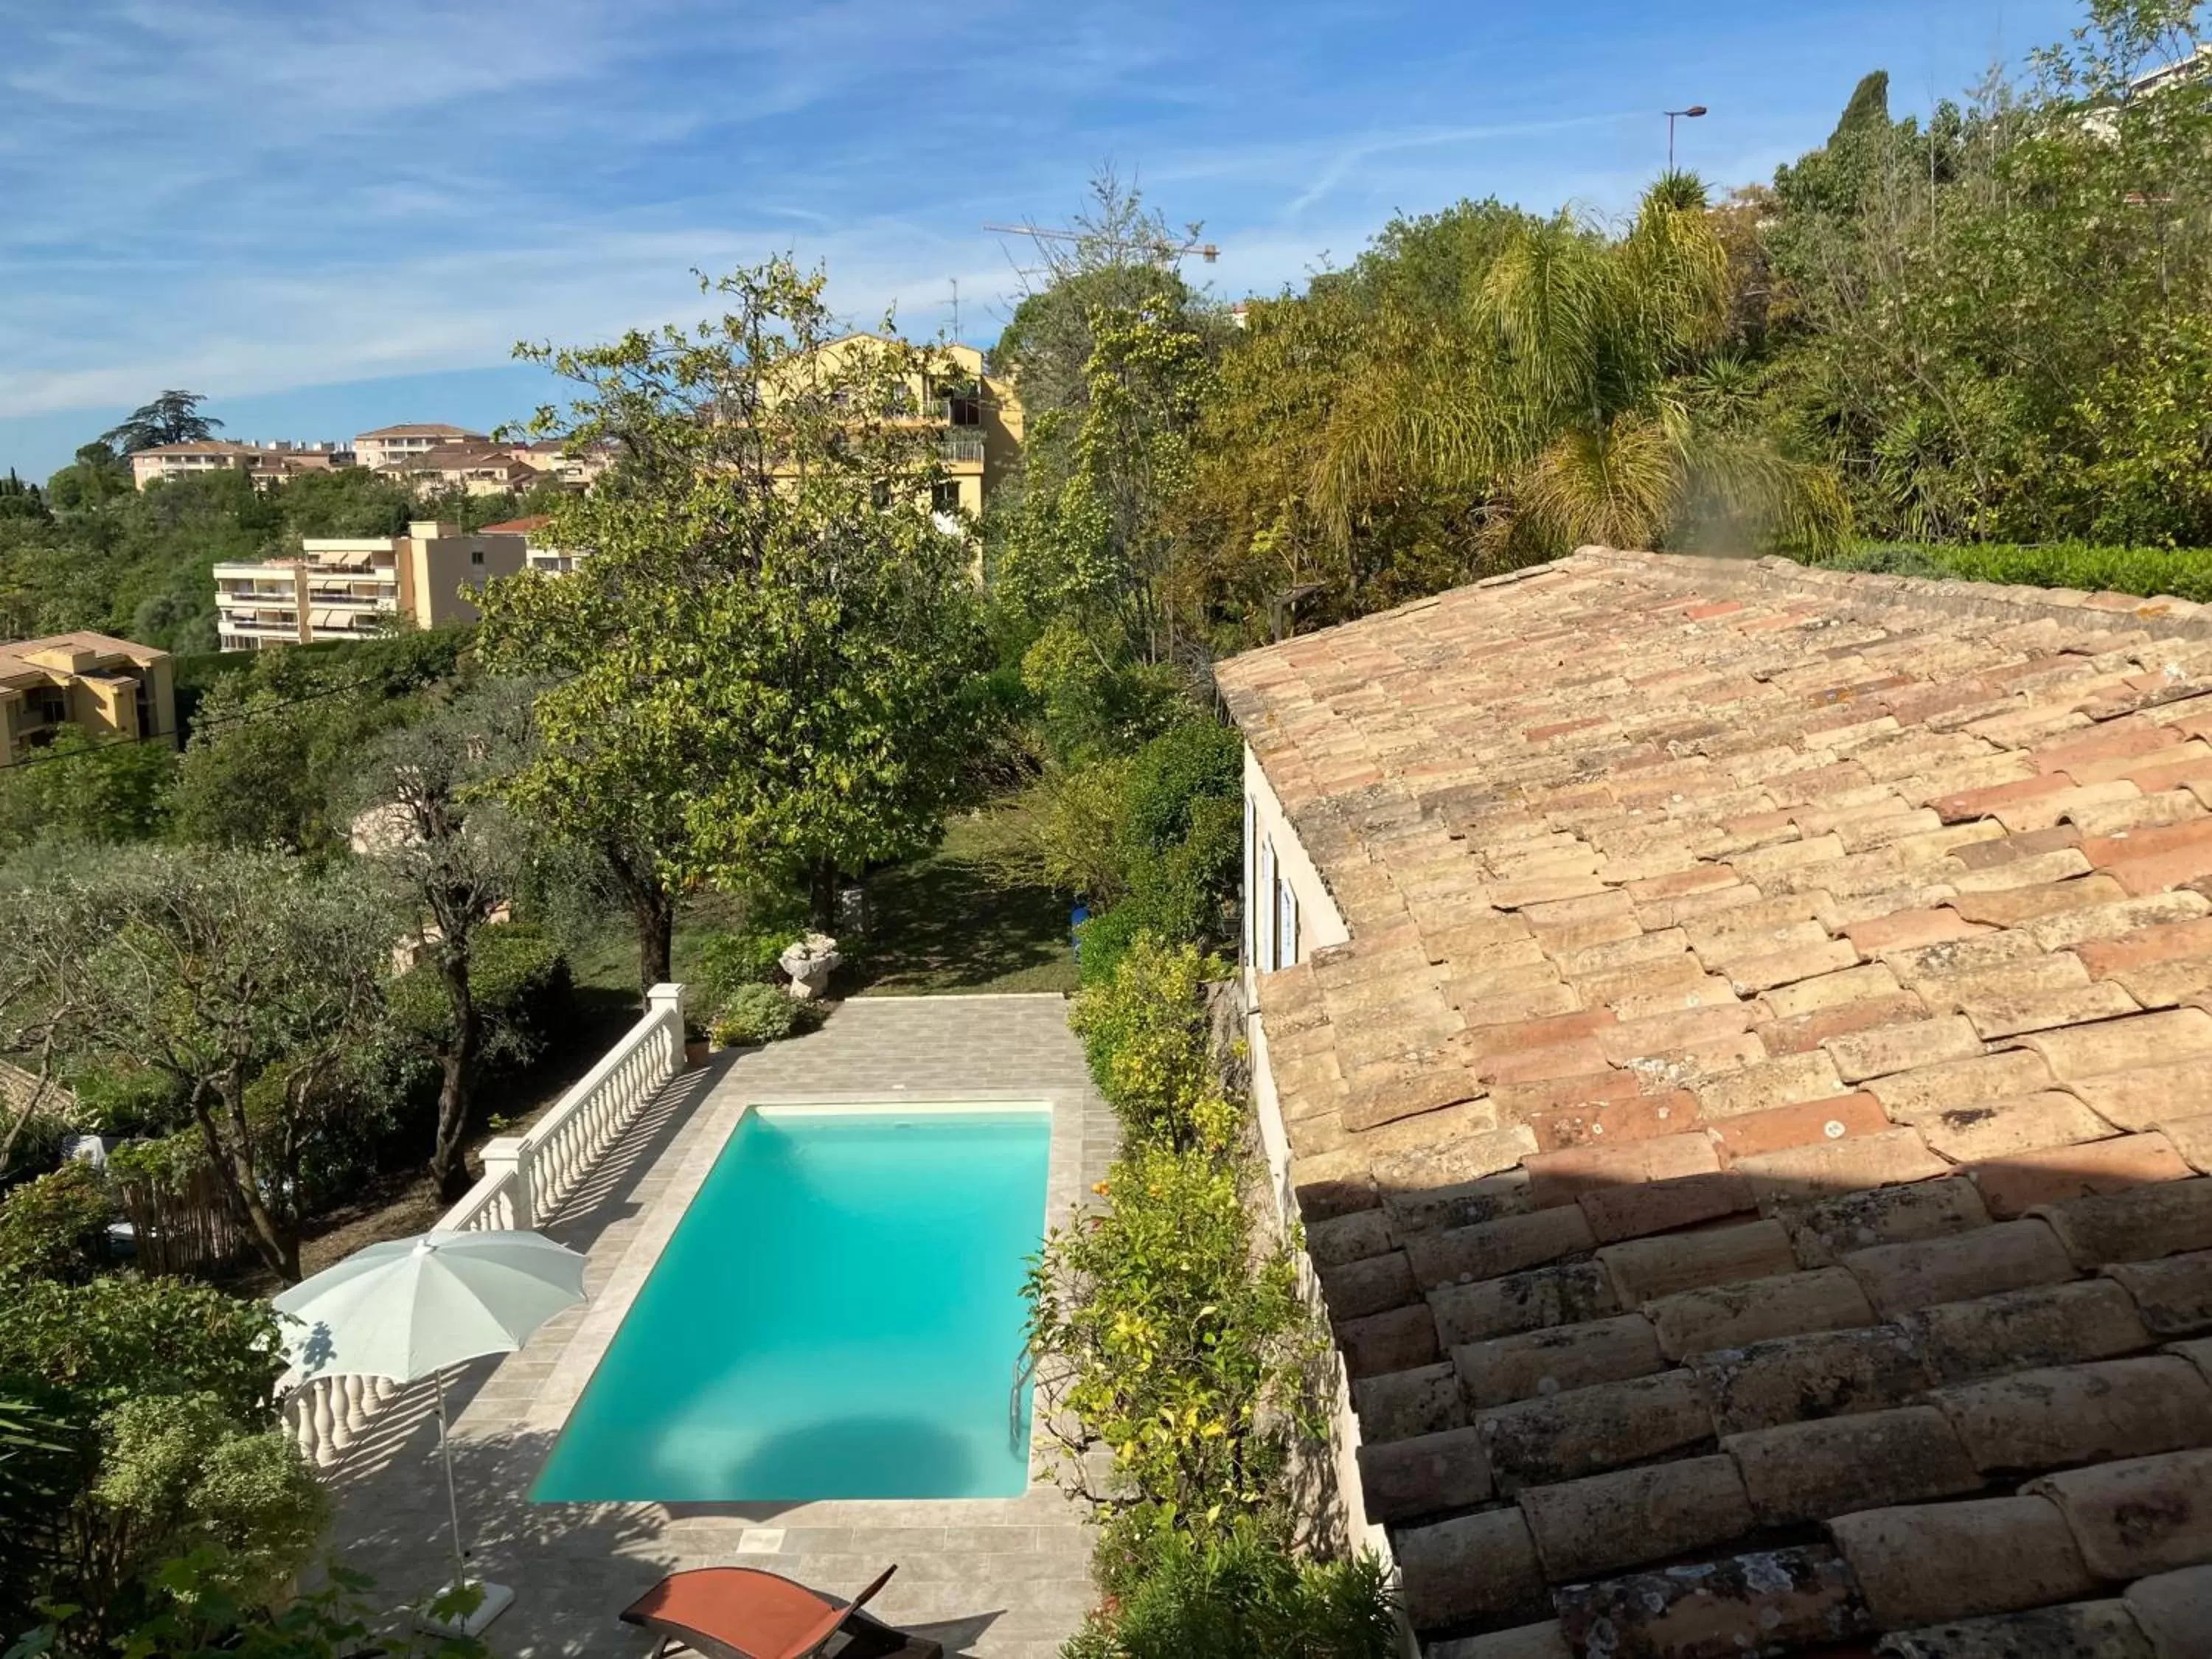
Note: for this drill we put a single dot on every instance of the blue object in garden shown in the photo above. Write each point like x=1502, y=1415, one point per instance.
x=1076, y=918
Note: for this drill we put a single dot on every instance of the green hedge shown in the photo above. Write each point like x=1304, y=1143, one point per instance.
x=2184, y=571
x=1176, y=1336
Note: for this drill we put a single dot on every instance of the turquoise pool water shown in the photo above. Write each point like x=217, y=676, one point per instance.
x=837, y=1315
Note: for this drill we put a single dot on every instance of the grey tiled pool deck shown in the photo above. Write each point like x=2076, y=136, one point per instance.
x=997, y=1578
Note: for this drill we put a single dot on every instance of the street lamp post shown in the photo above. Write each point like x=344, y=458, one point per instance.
x=1673, y=115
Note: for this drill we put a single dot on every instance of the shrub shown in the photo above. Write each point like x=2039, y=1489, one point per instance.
x=55, y=1226
x=2185, y=573
x=1244, y=1592
x=753, y=1013
x=178, y=1474
x=748, y=955
x=122, y=1335
x=1144, y=1032
x=1197, y=760
x=126, y=1100
x=1174, y=1338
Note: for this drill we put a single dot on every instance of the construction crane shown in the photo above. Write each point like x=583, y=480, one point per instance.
x=1165, y=251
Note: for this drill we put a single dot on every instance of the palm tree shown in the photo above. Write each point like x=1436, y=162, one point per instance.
x=1568, y=401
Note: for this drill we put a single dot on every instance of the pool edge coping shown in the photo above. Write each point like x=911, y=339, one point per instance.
x=581, y=1354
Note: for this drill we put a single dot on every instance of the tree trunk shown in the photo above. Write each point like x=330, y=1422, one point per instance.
x=822, y=896
x=655, y=913
x=276, y=1245
x=449, y=1161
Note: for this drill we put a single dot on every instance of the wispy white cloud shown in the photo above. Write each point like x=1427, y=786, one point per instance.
x=247, y=195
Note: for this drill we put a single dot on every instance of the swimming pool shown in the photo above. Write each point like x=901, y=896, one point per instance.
x=838, y=1315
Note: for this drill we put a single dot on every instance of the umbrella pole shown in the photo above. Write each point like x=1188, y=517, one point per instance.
x=452, y=1495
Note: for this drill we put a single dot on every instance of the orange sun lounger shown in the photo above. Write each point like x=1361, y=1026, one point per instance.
x=742, y=1612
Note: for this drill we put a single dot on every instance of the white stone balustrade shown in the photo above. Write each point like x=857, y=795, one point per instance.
x=527, y=1177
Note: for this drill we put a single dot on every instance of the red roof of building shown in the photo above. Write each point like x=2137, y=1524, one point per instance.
x=522, y=526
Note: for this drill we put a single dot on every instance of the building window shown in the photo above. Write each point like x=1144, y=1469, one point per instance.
x=476, y=555
x=945, y=497
x=1287, y=924
x=1248, y=935
x=1263, y=909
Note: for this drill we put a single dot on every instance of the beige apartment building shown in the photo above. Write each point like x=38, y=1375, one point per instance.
x=267, y=462
x=103, y=687
x=477, y=469
x=351, y=588
x=389, y=446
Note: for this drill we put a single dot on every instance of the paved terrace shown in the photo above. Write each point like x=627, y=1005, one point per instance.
x=994, y=1579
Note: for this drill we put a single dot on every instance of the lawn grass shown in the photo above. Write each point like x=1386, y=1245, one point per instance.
x=951, y=923
x=947, y=922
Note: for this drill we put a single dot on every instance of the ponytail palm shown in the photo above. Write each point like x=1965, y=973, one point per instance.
x=1561, y=403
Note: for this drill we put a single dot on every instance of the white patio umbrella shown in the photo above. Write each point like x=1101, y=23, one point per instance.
x=411, y=1307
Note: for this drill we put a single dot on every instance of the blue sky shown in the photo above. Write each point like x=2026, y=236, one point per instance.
x=330, y=217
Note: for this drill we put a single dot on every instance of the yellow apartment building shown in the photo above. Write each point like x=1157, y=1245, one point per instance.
x=981, y=413
x=100, y=686
x=349, y=588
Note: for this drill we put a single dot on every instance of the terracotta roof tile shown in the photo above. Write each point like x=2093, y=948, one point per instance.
x=1604, y=1523
x=1926, y=1564
x=2143, y=1515
x=1674, y=887
x=1532, y=1301
x=1754, y=1310
x=1821, y=1374
x=1477, y=1566
x=1826, y=1229
x=2041, y=1420
x=1427, y=1475
x=1768, y=1601
x=2008, y=1255
x=2174, y=1611
x=1848, y=1163
x=2050, y=1325
x=1604, y=1426
x=1506, y=1369
x=2014, y=1184
x=2173, y=1295
x=1642, y=1269
x=1808, y=1471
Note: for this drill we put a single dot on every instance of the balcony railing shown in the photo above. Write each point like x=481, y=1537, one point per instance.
x=961, y=444
x=525, y=1178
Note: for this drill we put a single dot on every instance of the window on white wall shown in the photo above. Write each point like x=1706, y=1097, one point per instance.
x=1287, y=926
x=1248, y=934
x=1263, y=908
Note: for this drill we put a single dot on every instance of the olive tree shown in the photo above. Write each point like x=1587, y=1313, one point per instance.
x=429, y=826
x=211, y=972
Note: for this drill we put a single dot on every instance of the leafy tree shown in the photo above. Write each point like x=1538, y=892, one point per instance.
x=1121, y=261
x=428, y=824
x=1566, y=417
x=210, y=973
x=767, y=671
x=80, y=790
x=96, y=476
x=273, y=746
x=173, y=417
x=154, y=1400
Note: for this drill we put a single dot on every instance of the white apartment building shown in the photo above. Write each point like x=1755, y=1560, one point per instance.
x=350, y=588
x=389, y=446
